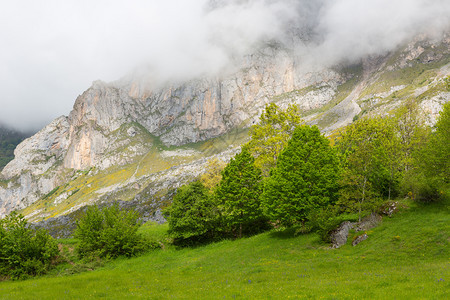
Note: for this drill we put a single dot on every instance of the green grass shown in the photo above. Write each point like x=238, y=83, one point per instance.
x=406, y=257
x=417, y=75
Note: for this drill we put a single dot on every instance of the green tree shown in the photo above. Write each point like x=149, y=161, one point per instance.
x=193, y=215
x=211, y=178
x=24, y=251
x=305, y=178
x=366, y=146
x=271, y=134
x=238, y=194
x=433, y=161
x=412, y=132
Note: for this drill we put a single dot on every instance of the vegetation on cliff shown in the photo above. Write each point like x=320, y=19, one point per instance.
x=9, y=139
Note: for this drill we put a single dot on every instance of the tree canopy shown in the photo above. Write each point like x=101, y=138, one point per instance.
x=305, y=178
x=271, y=134
x=238, y=194
x=193, y=214
x=433, y=161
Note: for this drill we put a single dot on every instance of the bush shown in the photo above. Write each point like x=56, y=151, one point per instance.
x=23, y=251
x=420, y=188
x=325, y=220
x=109, y=232
x=192, y=216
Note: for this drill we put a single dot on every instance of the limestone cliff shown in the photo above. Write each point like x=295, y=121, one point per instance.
x=119, y=134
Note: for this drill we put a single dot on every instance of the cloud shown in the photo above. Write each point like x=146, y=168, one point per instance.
x=352, y=29
x=52, y=50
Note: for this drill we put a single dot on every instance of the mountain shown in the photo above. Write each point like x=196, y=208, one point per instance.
x=128, y=140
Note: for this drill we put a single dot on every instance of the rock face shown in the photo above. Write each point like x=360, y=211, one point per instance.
x=340, y=235
x=119, y=124
x=93, y=134
x=33, y=172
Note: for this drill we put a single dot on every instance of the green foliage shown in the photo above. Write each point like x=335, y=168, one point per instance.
x=368, y=149
x=271, y=134
x=109, y=232
x=412, y=133
x=238, y=195
x=9, y=139
x=24, y=251
x=407, y=254
x=304, y=179
x=327, y=219
x=211, y=178
x=193, y=215
x=433, y=162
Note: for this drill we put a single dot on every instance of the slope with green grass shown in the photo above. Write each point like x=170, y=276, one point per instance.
x=406, y=257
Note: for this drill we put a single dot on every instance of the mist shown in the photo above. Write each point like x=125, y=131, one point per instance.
x=53, y=50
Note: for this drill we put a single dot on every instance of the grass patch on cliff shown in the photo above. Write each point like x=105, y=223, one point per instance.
x=413, y=77
x=4, y=183
x=405, y=257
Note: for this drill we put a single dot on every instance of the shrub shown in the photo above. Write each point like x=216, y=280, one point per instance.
x=108, y=232
x=193, y=215
x=23, y=251
x=325, y=220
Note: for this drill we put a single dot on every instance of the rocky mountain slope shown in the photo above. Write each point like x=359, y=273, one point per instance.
x=128, y=140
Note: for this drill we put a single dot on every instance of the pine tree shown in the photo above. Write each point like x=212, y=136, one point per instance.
x=304, y=179
x=238, y=194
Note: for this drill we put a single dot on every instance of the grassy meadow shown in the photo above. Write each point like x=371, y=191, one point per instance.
x=406, y=257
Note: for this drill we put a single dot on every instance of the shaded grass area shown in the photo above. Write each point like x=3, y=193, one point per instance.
x=405, y=257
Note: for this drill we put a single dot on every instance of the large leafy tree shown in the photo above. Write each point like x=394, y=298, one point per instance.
x=305, y=178
x=411, y=133
x=271, y=134
x=368, y=147
x=193, y=214
x=238, y=194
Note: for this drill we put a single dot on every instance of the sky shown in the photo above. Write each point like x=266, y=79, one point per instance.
x=52, y=50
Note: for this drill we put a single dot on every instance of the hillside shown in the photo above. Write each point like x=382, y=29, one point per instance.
x=405, y=257
x=129, y=141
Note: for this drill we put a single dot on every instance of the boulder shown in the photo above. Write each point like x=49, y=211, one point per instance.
x=359, y=239
x=369, y=222
x=340, y=235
